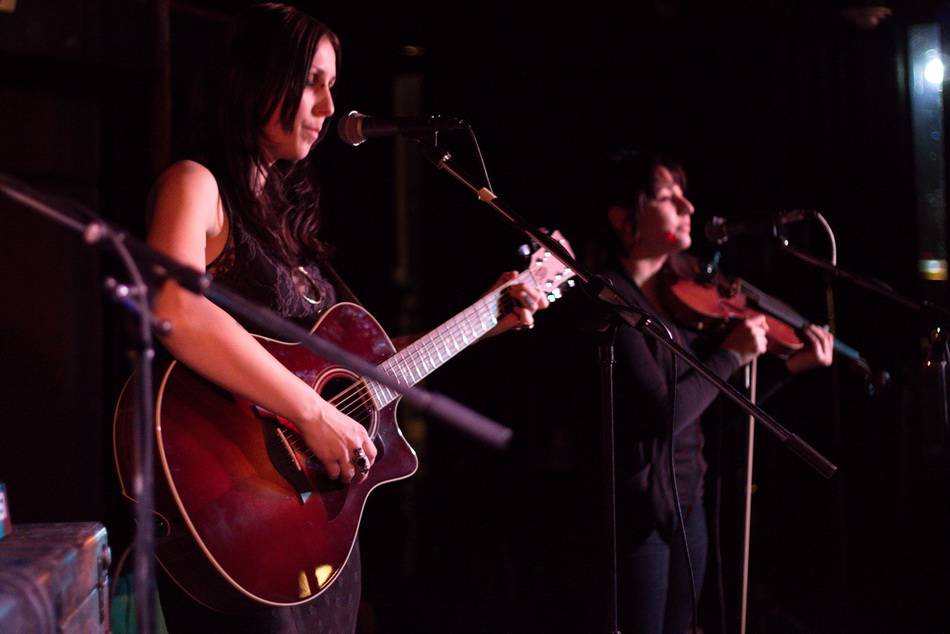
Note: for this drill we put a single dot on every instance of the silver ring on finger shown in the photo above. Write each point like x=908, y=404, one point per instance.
x=360, y=461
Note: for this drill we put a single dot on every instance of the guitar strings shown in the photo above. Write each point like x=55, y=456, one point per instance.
x=438, y=342
x=345, y=400
x=356, y=400
x=423, y=347
x=355, y=397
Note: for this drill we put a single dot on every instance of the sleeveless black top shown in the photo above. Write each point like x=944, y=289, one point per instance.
x=299, y=294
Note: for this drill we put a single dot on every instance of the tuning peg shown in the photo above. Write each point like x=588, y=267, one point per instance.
x=524, y=251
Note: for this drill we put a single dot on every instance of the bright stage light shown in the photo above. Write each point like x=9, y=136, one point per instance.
x=933, y=71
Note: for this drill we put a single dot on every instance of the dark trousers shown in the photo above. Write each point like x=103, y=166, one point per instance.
x=655, y=585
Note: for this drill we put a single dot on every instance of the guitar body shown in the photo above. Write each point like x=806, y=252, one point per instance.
x=245, y=513
x=244, y=516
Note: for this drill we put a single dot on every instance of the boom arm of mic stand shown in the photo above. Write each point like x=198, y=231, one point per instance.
x=597, y=288
x=452, y=412
x=441, y=160
x=646, y=325
x=161, y=266
x=867, y=283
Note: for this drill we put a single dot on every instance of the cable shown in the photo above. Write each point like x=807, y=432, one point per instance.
x=676, y=498
x=481, y=159
x=717, y=521
x=831, y=237
x=676, y=495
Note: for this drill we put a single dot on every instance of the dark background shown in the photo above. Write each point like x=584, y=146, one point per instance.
x=778, y=106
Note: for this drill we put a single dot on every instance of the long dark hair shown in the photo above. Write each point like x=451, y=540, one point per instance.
x=271, y=47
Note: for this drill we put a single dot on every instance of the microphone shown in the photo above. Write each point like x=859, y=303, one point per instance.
x=717, y=230
x=355, y=128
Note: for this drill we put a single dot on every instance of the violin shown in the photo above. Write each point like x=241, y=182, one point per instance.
x=702, y=298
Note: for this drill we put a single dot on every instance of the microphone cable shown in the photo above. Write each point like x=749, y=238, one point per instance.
x=481, y=159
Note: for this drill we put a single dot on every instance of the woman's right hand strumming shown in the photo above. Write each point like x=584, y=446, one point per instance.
x=334, y=437
x=188, y=216
x=747, y=339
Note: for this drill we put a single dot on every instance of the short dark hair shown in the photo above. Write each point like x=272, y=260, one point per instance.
x=628, y=180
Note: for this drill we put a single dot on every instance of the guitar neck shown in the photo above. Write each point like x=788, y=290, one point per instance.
x=423, y=356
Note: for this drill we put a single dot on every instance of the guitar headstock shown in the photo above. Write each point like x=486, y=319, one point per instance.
x=548, y=272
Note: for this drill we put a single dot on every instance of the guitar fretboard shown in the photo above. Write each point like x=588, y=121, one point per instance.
x=423, y=356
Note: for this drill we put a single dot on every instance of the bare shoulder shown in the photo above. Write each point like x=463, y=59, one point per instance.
x=187, y=188
x=191, y=176
x=186, y=213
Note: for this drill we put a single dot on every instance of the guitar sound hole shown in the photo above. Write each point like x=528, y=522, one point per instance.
x=348, y=394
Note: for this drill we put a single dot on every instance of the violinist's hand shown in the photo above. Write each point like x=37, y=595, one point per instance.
x=819, y=351
x=747, y=338
x=526, y=301
x=333, y=436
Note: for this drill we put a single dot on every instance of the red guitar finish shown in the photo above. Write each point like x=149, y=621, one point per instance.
x=246, y=514
x=225, y=492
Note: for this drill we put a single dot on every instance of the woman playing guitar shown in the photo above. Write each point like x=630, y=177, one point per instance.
x=244, y=210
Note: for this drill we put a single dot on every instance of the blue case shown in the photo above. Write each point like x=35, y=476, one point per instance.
x=55, y=578
x=5, y=524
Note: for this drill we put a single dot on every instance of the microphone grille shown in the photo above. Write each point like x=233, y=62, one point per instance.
x=350, y=128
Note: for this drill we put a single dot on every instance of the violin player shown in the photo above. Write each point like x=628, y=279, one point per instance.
x=649, y=228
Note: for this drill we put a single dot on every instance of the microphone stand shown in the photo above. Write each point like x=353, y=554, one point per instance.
x=600, y=289
x=938, y=336
x=161, y=267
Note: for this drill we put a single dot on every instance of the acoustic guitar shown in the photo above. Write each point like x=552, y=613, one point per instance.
x=245, y=511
